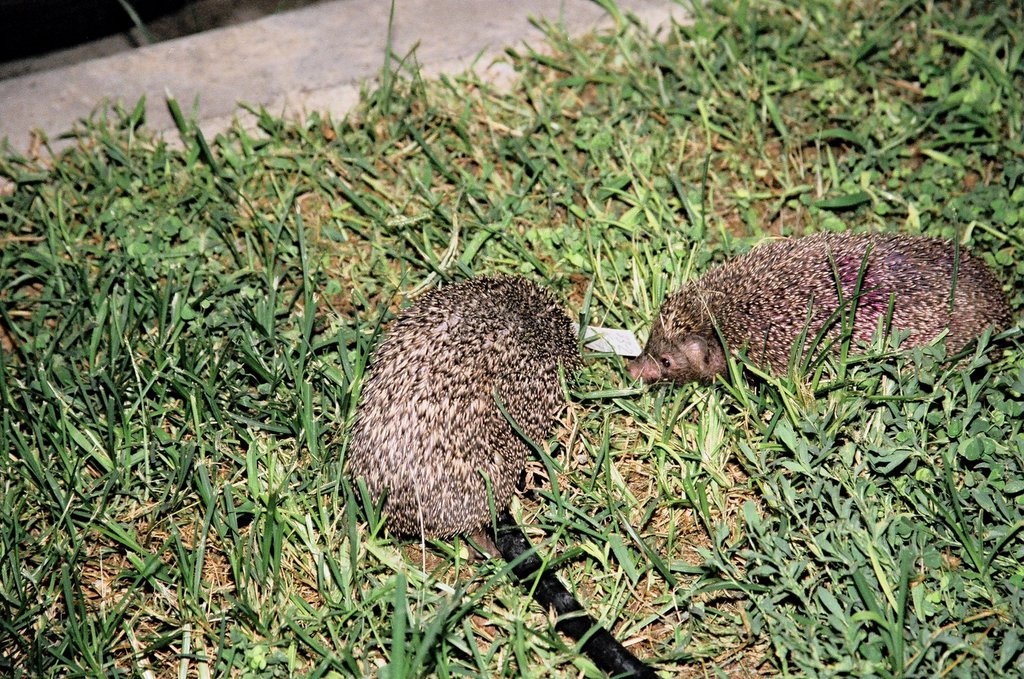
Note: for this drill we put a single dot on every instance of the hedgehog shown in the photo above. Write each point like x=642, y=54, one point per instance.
x=434, y=436
x=429, y=429
x=780, y=292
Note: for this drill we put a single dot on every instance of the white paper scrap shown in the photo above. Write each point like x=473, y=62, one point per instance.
x=613, y=340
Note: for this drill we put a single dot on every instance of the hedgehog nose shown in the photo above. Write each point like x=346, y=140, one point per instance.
x=644, y=368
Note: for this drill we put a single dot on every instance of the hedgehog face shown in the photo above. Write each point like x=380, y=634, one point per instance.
x=695, y=357
x=683, y=346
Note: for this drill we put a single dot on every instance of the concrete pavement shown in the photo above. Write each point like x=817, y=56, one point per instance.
x=308, y=59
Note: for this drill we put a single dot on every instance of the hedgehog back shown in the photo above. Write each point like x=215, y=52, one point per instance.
x=428, y=430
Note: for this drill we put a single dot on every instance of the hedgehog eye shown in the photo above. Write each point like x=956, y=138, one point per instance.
x=667, y=362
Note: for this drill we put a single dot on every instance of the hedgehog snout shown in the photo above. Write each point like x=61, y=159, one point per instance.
x=644, y=367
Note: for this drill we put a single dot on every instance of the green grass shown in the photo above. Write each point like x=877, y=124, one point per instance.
x=185, y=328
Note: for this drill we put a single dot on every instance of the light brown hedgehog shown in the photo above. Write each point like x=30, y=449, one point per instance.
x=429, y=430
x=430, y=436
x=765, y=300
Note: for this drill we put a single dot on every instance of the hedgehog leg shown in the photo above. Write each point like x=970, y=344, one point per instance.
x=607, y=653
x=483, y=543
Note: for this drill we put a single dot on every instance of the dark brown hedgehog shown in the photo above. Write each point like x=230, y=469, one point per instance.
x=431, y=437
x=765, y=300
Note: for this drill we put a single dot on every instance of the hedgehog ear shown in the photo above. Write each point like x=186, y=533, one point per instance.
x=705, y=357
x=695, y=350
